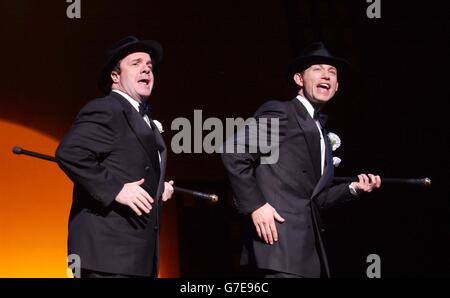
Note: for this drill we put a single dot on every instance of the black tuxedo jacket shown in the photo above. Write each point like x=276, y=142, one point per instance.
x=293, y=185
x=110, y=145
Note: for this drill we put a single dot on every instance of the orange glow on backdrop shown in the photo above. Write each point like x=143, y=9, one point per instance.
x=35, y=199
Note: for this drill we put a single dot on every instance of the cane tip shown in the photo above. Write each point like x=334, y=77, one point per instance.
x=214, y=198
x=427, y=181
x=16, y=150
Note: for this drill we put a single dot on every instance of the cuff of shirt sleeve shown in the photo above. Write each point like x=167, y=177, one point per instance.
x=353, y=190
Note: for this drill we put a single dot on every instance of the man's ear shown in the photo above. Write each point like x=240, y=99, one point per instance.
x=337, y=85
x=115, y=76
x=298, y=79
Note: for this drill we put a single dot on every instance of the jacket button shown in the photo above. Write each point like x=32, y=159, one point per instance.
x=155, y=228
x=147, y=168
x=322, y=230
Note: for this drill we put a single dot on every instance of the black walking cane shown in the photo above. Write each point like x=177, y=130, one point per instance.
x=211, y=197
x=411, y=181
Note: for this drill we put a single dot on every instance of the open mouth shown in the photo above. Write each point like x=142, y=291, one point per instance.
x=324, y=86
x=144, y=82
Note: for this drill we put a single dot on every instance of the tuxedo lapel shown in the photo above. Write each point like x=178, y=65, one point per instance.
x=311, y=133
x=328, y=171
x=163, y=153
x=144, y=134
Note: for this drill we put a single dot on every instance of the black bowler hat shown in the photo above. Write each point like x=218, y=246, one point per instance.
x=121, y=49
x=316, y=53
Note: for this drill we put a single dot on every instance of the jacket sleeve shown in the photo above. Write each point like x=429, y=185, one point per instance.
x=82, y=150
x=243, y=153
x=336, y=194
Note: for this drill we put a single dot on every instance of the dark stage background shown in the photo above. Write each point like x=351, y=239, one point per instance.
x=227, y=58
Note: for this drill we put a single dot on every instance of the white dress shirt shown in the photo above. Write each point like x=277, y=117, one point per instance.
x=310, y=110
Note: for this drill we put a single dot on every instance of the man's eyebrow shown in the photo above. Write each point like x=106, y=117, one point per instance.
x=140, y=60
x=332, y=68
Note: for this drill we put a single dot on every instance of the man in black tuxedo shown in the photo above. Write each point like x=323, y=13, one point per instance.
x=282, y=199
x=116, y=158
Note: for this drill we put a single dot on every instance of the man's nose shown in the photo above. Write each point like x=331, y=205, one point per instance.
x=146, y=69
x=326, y=75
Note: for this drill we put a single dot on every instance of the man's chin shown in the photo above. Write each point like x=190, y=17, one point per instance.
x=145, y=94
x=322, y=100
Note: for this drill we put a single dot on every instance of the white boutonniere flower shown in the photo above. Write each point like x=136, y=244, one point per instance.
x=158, y=125
x=335, y=142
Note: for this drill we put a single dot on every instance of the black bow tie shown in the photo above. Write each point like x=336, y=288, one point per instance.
x=144, y=109
x=321, y=117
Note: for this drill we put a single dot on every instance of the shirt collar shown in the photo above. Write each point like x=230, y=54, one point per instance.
x=132, y=101
x=307, y=105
